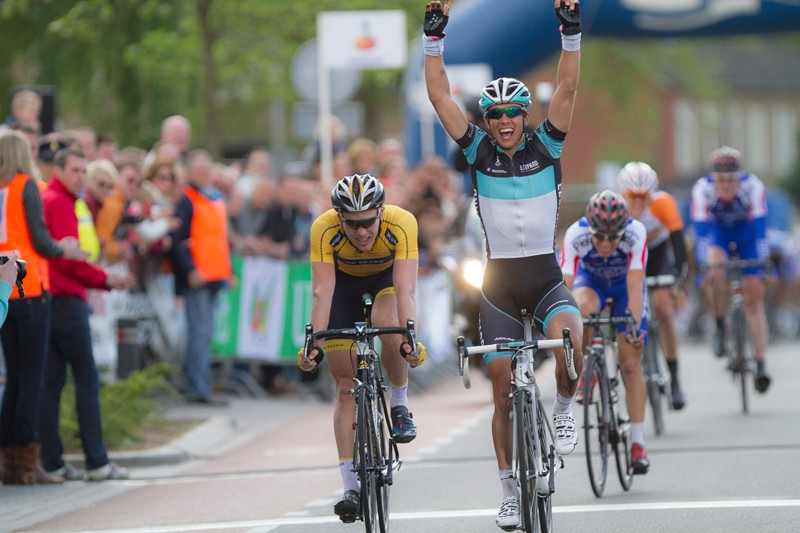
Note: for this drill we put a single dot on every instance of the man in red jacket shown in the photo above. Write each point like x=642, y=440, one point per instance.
x=70, y=337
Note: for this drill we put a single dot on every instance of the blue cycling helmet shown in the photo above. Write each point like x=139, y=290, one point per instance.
x=505, y=91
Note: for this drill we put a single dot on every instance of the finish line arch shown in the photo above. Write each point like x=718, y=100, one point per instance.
x=512, y=37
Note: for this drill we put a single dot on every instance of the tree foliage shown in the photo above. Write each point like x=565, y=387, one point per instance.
x=121, y=66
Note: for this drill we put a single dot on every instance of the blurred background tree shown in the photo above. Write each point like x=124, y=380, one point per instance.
x=121, y=66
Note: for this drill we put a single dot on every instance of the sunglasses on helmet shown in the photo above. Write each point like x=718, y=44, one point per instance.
x=611, y=237
x=363, y=223
x=510, y=112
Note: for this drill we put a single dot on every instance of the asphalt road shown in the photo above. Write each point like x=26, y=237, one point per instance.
x=714, y=469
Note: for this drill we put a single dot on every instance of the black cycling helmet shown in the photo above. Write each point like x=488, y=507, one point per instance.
x=607, y=213
x=357, y=193
x=726, y=159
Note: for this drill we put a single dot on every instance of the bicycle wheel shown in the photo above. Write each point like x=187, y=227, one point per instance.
x=652, y=378
x=367, y=469
x=544, y=501
x=525, y=424
x=622, y=449
x=386, y=455
x=596, y=419
x=741, y=355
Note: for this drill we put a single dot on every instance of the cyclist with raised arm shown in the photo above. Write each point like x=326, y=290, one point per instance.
x=729, y=205
x=516, y=179
x=363, y=246
x=666, y=250
x=604, y=255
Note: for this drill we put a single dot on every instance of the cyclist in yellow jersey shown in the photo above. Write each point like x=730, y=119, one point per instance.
x=361, y=246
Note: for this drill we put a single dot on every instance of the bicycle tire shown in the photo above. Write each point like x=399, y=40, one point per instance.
x=526, y=458
x=545, y=502
x=596, y=419
x=652, y=376
x=740, y=354
x=622, y=452
x=385, y=455
x=365, y=451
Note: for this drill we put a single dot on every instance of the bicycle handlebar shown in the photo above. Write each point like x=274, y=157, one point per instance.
x=465, y=351
x=662, y=280
x=628, y=318
x=736, y=264
x=359, y=332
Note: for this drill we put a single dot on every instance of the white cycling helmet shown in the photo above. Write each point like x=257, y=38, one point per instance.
x=505, y=91
x=638, y=178
x=357, y=193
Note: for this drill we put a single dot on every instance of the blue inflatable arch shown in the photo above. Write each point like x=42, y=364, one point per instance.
x=512, y=37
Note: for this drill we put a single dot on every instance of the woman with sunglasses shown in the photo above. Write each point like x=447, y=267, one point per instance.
x=517, y=179
x=729, y=205
x=363, y=246
x=666, y=250
x=604, y=255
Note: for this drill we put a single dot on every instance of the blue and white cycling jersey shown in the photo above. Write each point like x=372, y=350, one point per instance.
x=517, y=197
x=742, y=220
x=581, y=259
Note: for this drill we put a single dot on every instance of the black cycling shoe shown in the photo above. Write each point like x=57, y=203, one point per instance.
x=403, y=428
x=347, y=508
x=762, y=381
x=719, y=342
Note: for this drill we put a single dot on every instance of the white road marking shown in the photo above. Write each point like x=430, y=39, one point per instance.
x=263, y=526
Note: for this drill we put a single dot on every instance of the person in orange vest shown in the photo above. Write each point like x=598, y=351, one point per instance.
x=70, y=343
x=26, y=329
x=201, y=262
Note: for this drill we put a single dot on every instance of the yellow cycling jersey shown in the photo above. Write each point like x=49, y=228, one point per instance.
x=397, y=239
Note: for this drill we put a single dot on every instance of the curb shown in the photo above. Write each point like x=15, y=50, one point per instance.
x=196, y=443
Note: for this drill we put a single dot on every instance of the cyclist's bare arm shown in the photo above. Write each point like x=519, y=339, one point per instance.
x=450, y=115
x=323, y=281
x=569, y=280
x=634, y=282
x=404, y=279
x=560, y=111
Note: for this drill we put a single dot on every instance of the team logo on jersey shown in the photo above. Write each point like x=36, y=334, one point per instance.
x=497, y=162
x=391, y=237
x=527, y=167
x=337, y=238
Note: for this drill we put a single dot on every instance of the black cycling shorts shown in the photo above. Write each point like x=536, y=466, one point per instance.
x=660, y=260
x=346, y=307
x=533, y=283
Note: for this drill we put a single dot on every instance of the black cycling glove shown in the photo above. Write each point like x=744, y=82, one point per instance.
x=570, y=20
x=435, y=21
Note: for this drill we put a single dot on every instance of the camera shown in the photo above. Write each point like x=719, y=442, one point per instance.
x=21, y=273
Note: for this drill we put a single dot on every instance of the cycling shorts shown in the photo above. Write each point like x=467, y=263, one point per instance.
x=346, y=304
x=660, y=260
x=533, y=283
x=746, y=246
x=619, y=292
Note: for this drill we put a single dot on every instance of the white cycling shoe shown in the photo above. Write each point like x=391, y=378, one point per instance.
x=508, y=517
x=566, y=433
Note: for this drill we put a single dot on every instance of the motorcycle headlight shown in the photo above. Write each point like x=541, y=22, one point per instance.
x=472, y=272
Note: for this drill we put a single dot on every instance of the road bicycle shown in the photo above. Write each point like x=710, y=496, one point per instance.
x=741, y=360
x=655, y=378
x=375, y=454
x=605, y=420
x=533, y=452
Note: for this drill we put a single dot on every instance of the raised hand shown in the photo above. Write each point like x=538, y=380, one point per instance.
x=569, y=13
x=436, y=17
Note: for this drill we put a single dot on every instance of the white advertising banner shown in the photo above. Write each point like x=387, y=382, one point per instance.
x=362, y=39
x=261, y=308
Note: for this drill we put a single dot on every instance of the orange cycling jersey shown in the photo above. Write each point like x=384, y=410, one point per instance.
x=660, y=218
x=397, y=239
